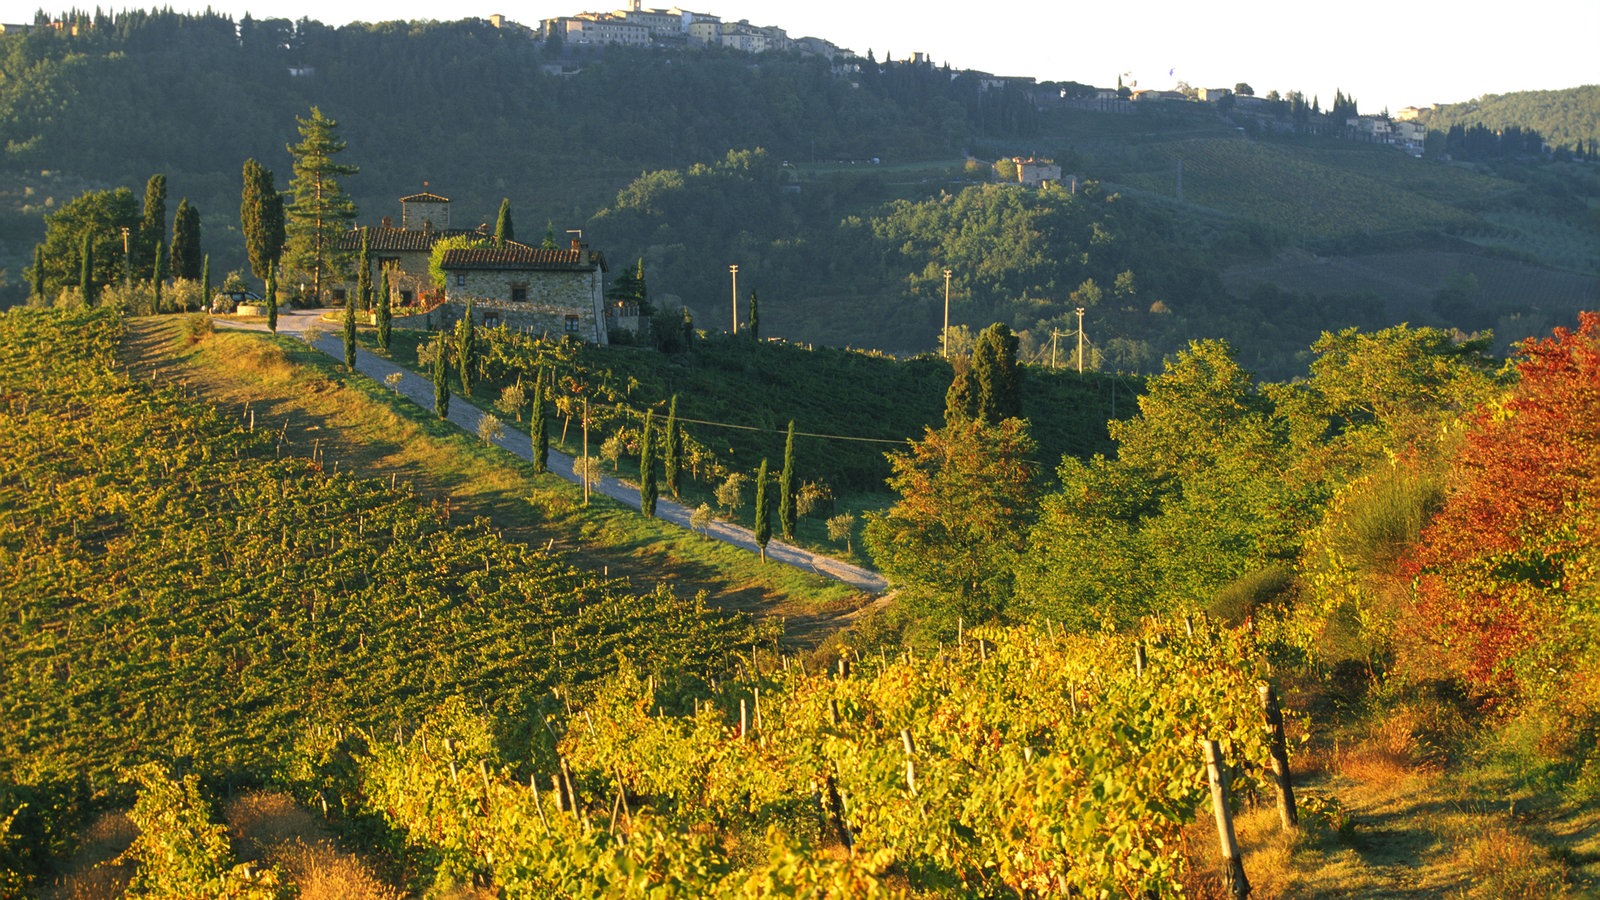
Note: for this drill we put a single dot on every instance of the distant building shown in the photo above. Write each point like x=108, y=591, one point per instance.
x=1036, y=172
x=1212, y=95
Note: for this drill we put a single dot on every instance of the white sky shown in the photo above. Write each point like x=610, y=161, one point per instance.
x=1386, y=53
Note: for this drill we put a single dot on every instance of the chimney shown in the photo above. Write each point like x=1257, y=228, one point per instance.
x=577, y=244
x=388, y=221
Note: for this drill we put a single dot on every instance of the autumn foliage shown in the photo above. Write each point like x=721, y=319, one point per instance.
x=1506, y=572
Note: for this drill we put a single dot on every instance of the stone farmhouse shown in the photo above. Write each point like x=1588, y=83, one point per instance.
x=541, y=290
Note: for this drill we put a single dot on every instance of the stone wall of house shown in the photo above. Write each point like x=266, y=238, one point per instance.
x=552, y=297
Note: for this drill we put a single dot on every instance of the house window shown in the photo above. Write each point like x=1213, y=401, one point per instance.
x=519, y=293
x=572, y=324
x=461, y=281
x=407, y=297
x=491, y=320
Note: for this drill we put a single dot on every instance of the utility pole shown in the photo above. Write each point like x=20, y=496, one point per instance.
x=125, y=275
x=734, y=270
x=944, y=341
x=1080, y=340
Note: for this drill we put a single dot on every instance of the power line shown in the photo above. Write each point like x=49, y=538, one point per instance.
x=830, y=437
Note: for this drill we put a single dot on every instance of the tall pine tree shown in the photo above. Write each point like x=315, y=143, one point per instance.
x=648, y=492
x=321, y=207
x=786, y=511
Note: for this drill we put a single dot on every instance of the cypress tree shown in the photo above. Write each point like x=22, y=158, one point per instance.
x=186, y=254
x=153, y=227
x=503, y=229
x=466, y=340
x=786, y=516
x=648, y=492
x=989, y=388
x=364, y=272
x=441, y=380
x=755, y=317
x=539, y=427
x=763, y=527
x=670, y=456
x=86, y=273
x=205, y=283
x=385, y=312
x=38, y=276
x=350, y=332
x=158, y=271
x=272, y=299
x=261, y=218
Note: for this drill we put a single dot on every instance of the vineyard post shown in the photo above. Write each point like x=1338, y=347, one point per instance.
x=743, y=719
x=561, y=795
x=911, y=765
x=1138, y=660
x=538, y=805
x=1238, y=884
x=1280, y=758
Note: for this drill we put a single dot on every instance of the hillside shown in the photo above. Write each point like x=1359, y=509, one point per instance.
x=177, y=585
x=841, y=193
x=1567, y=119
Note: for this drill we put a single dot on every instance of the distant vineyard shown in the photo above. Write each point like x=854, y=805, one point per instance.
x=1356, y=192
x=172, y=589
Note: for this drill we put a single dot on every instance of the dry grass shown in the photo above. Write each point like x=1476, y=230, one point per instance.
x=272, y=828
x=1504, y=864
x=1386, y=759
x=1269, y=855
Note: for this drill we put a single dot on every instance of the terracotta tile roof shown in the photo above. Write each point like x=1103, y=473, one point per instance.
x=521, y=256
x=400, y=239
x=424, y=197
